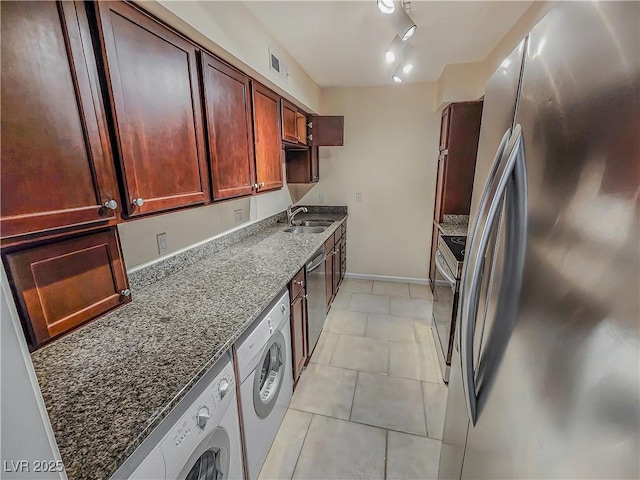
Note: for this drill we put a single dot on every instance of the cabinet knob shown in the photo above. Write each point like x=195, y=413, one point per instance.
x=111, y=204
x=254, y=186
x=299, y=282
x=138, y=202
x=261, y=184
x=125, y=293
x=305, y=296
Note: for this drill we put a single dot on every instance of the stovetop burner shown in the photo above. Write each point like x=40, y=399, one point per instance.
x=456, y=244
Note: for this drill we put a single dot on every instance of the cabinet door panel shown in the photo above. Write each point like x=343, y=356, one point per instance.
x=298, y=333
x=51, y=283
x=268, y=140
x=230, y=131
x=327, y=131
x=57, y=169
x=289, y=122
x=154, y=86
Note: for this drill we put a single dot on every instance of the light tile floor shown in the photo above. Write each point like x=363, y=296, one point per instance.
x=371, y=402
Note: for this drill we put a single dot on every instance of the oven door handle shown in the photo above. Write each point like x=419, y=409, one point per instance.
x=444, y=270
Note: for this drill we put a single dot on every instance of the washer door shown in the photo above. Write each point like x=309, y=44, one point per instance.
x=269, y=375
x=210, y=460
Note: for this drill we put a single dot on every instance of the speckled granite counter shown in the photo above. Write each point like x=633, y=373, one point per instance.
x=109, y=384
x=454, y=225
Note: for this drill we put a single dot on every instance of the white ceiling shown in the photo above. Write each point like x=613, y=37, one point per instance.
x=342, y=43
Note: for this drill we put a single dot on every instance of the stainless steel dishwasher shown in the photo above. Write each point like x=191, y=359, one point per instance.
x=316, y=296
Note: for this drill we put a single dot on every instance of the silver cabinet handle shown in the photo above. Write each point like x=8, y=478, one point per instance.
x=305, y=296
x=261, y=184
x=111, y=204
x=490, y=205
x=299, y=282
x=125, y=293
x=138, y=202
x=254, y=186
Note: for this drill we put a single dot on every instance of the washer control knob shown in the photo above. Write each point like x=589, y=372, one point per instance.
x=202, y=417
x=224, y=387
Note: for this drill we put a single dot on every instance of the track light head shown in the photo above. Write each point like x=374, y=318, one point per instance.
x=386, y=6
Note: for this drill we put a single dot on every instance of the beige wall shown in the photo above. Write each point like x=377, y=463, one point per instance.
x=389, y=155
x=229, y=30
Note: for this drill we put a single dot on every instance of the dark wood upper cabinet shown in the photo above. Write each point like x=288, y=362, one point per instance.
x=289, y=122
x=57, y=168
x=302, y=165
x=327, y=131
x=227, y=102
x=267, y=137
x=152, y=76
x=51, y=283
x=460, y=131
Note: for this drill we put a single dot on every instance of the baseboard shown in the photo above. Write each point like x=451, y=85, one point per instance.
x=386, y=278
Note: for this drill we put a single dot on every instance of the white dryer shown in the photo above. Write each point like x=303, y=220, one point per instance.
x=199, y=439
x=266, y=380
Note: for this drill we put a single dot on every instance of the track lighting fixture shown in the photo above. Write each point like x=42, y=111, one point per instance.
x=386, y=6
x=407, y=61
x=397, y=76
x=402, y=23
x=394, y=50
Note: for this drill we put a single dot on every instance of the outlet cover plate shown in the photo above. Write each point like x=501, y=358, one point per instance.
x=359, y=197
x=163, y=246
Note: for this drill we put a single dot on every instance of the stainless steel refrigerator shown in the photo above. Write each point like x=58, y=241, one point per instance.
x=545, y=379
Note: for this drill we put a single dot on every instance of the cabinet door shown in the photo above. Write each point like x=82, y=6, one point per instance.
x=52, y=282
x=301, y=128
x=229, y=128
x=440, y=187
x=289, y=122
x=444, y=128
x=327, y=131
x=153, y=78
x=267, y=137
x=315, y=164
x=57, y=169
x=336, y=265
x=343, y=257
x=299, y=333
x=328, y=270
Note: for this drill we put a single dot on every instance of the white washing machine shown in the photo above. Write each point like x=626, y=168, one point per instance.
x=199, y=439
x=266, y=380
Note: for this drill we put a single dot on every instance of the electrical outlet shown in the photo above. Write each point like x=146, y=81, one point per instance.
x=238, y=216
x=322, y=198
x=359, y=197
x=163, y=246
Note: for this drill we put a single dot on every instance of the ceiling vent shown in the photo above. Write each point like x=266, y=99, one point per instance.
x=276, y=65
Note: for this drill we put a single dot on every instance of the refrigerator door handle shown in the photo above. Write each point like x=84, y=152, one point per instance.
x=495, y=190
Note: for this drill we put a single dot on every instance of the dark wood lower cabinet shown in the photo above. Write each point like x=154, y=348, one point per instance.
x=62, y=285
x=299, y=343
x=335, y=263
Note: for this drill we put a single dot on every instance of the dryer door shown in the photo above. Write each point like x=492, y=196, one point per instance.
x=269, y=375
x=210, y=460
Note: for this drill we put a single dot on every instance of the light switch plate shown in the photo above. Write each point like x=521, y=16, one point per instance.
x=163, y=246
x=359, y=197
x=238, y=216
x=321, y=198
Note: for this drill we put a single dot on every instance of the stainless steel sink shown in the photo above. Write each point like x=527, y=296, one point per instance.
x=305, y=229
x=317, y=223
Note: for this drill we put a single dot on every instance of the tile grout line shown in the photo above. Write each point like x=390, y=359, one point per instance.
x=353, y=399
x=415, y=434
x=301, y=446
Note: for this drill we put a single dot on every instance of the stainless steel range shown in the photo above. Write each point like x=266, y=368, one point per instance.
x=449, y=261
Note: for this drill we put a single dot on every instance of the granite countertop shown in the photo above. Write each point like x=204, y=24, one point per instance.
x=109, y=384
x=454, y=225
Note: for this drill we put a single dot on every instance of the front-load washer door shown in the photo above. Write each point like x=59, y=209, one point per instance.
x=209, y=461
x=269, y=375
